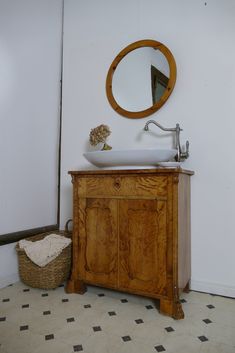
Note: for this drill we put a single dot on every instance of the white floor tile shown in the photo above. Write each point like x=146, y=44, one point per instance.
x=105, y=321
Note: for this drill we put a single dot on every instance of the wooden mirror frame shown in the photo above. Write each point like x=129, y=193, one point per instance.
x=171, y=83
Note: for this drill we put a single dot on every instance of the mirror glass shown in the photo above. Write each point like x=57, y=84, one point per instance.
x=141, y=78
x=137, y=83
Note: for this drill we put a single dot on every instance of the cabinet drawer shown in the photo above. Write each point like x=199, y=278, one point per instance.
x=111, y=186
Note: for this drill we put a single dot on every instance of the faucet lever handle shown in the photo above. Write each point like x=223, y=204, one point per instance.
x=184, y=155
x=187, y=149
x=187, y=146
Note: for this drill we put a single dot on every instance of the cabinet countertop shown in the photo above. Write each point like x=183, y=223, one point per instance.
x=131, y=171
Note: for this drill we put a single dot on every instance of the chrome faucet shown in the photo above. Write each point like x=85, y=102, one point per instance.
x=180, y=155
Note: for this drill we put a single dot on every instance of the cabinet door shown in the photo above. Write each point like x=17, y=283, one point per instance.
x=97, y=257
x=143, y=246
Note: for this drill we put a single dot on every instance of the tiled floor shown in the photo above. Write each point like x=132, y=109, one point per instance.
x=104, y=321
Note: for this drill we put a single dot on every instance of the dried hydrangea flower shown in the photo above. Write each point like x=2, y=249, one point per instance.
x=99, y=134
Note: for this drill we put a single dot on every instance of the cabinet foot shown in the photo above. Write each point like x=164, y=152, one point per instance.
x=178, y=311
x=75, y=286
x=171, y=308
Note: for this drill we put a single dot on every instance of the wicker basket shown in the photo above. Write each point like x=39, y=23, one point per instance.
x=54, y=273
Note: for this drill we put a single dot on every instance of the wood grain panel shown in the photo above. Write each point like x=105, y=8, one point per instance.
x=142, y=252
x=123, y=186
x=98, y=241
x=143, y=245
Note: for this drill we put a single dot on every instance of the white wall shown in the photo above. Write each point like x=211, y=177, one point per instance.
x=201, y=37
x=30, y=66
x=30, y=69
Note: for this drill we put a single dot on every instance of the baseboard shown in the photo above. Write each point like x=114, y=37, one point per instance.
x=5, y=281
x=200, y=286
x=213, y=288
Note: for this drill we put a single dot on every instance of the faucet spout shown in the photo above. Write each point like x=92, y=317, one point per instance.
x=180, y=155
x=146, y=127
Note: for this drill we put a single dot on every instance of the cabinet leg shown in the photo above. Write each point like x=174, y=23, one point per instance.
x=171, y=308
x=75, y=286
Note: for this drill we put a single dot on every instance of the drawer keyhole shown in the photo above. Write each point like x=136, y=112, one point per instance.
x=117, y=184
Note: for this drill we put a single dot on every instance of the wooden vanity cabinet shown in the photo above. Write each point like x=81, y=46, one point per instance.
x=132, y=233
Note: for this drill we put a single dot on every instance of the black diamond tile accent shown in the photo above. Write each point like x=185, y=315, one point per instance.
x=65, y=300
x=207, y=321
x=77, y=348
x=49, y=337
x=10, y=285
x=126, y=338
x=112, y=313
x=25, y=306
x=139, y=321
x=101, y=295
x=203, y=338
x=87, y=306
x=124, y=300
x=183, y=301
x=169, y=329
x=160, y=348
x=149, y=307
x=3, y=318
x=97, y=328
x=46, y=312
x=70, y=319
x=24, y=327
x=26, y=290
x=6, y=300
x=44, y=294
x=210, y=306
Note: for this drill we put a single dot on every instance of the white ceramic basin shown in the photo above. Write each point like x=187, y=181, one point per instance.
x=143, y=157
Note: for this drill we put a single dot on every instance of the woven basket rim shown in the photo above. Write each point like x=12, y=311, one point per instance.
x=41, y=236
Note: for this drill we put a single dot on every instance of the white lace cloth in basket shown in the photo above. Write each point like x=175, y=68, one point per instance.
x=41, y=252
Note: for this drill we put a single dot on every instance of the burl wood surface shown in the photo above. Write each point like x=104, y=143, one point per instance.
x=142, y=246
x=98, y=247
x=132, y=233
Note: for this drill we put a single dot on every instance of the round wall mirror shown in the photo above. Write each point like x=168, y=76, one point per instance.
x=141, y=78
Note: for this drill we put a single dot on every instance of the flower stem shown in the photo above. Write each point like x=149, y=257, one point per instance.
x=106, y=147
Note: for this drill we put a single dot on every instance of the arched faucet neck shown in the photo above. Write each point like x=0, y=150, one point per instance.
x=180, y=155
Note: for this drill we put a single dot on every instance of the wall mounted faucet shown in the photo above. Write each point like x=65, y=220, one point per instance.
x=181, y=156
